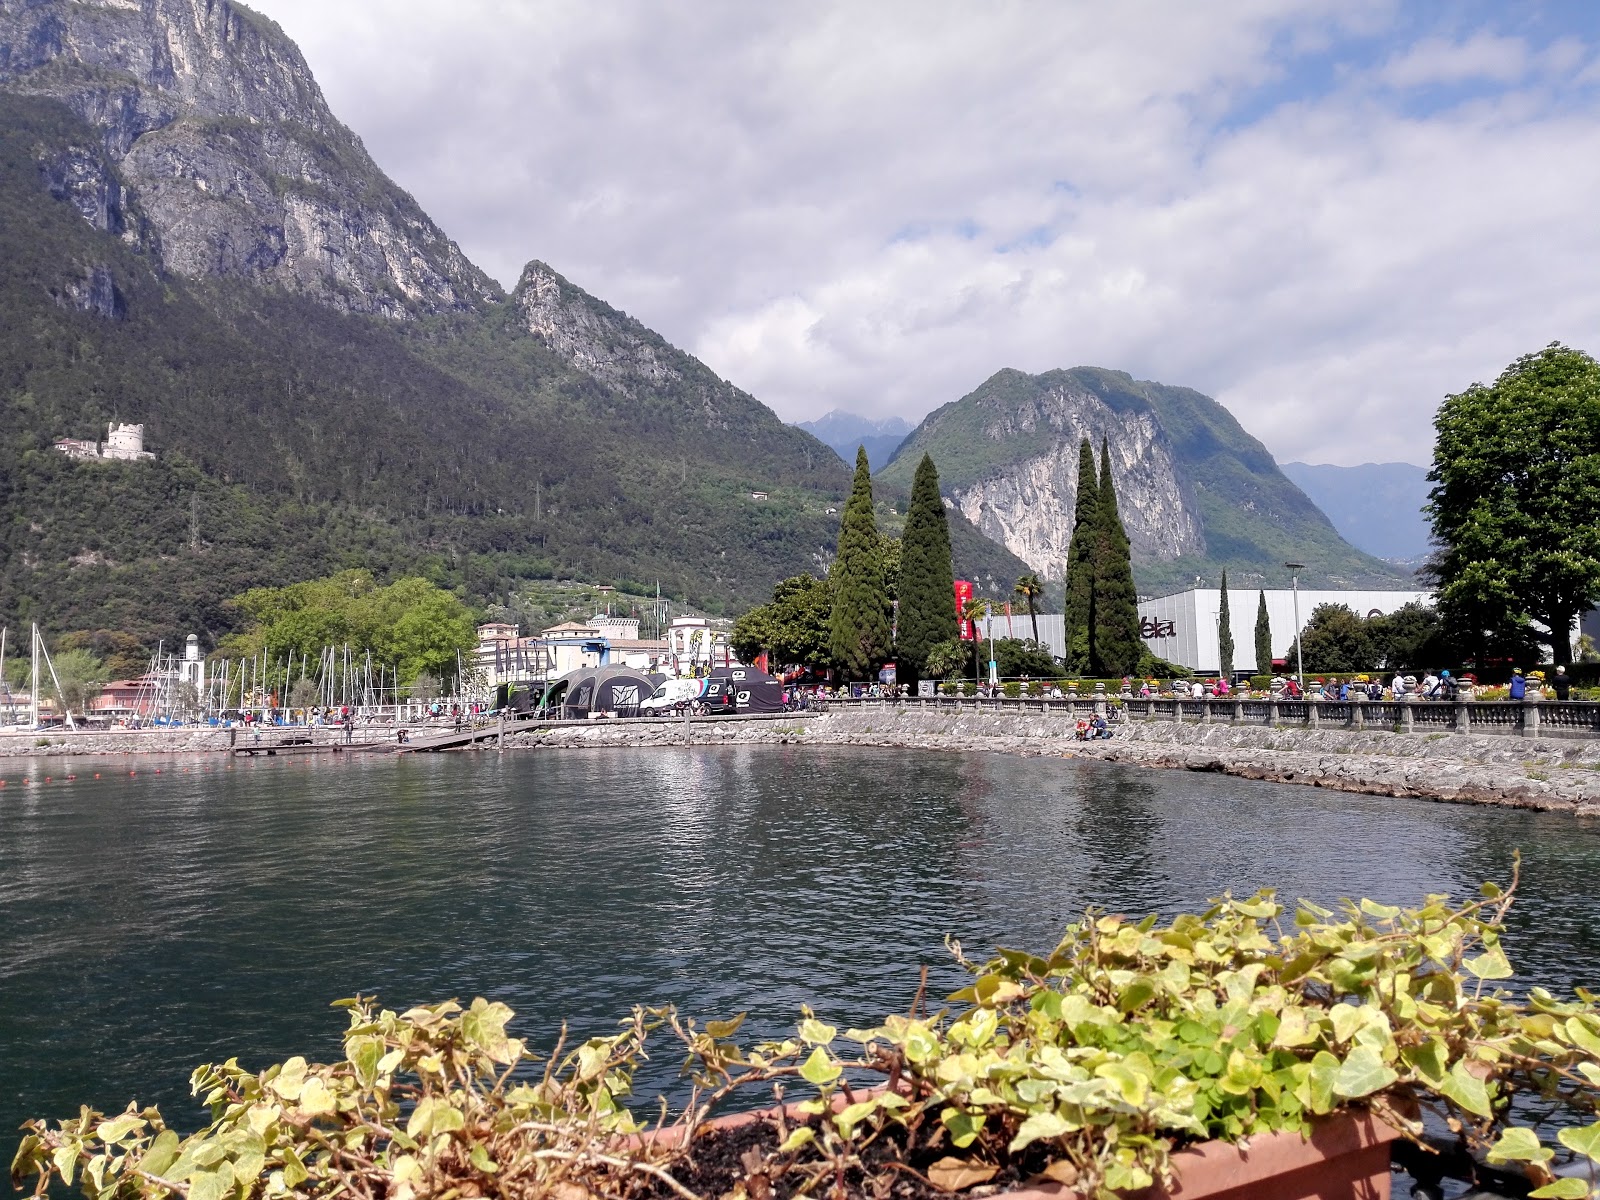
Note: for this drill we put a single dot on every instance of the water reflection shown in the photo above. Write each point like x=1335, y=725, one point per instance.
x=156, y=921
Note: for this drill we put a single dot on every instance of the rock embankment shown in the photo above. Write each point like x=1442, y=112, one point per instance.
x=1555, y=775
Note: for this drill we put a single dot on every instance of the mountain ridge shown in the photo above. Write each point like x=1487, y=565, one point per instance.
x=845, y=431
x=1375, y=506
x=1197, y=493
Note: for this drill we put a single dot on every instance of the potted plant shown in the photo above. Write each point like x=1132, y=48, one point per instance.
x=1210, y=1054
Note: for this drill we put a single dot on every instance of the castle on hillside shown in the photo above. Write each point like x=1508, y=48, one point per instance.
x=123, y=442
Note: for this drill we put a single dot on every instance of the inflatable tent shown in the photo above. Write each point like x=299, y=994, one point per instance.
x=614, y=691
x=754, y=691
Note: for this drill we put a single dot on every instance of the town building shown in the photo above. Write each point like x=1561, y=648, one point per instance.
x=1183, y=629
x=124, y=443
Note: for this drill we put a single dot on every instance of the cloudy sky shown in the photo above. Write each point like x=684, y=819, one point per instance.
x=1326, y=213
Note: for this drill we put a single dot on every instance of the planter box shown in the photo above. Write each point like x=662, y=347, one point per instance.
x=1345, y=1158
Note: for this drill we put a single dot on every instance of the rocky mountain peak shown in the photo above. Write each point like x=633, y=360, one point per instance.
x=211, y=119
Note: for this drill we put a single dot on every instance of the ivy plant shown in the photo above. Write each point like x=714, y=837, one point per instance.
x=1089, y=1065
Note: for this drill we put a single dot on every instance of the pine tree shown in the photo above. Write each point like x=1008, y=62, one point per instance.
x=1079, y=610
x=1263, y=638
x=1116, y=603
x=927, y=580
x=858, y=629
x=1225, y=633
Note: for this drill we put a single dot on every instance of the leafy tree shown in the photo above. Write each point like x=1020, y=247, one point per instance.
x=1030, y=589
x=412, y=626
x=424, y=687
x=1336, y=639
x=927, y=578
x=1263, y=637
x=1020, y=656
x=1117, y=645
x=1515, y=505
x=1225, y=632
x=1414, y=635
x=946, y=660
x=1079, y=620
x=859, y=625
x=889, y=551
x=80, y=674
x=124, y=655
x=792, y=628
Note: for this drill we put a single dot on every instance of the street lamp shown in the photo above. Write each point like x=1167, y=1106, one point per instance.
x=1299, y=654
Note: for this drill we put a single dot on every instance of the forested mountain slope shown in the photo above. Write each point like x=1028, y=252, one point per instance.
x=295, y=436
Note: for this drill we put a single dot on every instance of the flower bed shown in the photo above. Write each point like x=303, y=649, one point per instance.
x=1133, y=1054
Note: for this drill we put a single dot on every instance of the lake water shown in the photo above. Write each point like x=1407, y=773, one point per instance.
x=150, y=922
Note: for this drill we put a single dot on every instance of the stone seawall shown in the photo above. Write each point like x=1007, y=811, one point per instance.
x=55, y=743
x=1559, y=776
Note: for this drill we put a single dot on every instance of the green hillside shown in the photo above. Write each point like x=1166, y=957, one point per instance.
x=294, y=440
x=1251, y=518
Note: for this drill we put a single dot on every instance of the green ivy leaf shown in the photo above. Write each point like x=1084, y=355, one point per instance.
x=1491, y=964
x=1363, y=1073
x=1519, y=1144
x=1584, y=1141
x=964, y=1127
x=819, y=1069
x=1466, y=1090
x=1324, y=1070
x=1562, y=1189
x=1041, y=1125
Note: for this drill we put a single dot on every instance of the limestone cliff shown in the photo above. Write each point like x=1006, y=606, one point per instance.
x=1196, y=492
x=228, y=153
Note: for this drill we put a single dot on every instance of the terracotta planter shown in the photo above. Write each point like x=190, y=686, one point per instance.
x=1345, y=1158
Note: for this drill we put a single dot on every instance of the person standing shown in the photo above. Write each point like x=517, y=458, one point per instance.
x=1561, y=683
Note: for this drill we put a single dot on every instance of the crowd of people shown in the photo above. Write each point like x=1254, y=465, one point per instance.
x=1443, y=686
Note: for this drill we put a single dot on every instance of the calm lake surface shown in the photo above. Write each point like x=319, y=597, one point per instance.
x=152, y=922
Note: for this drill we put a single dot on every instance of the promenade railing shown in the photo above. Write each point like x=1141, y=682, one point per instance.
x=1533, y=718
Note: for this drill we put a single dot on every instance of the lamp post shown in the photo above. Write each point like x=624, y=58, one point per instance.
x=1299, y=654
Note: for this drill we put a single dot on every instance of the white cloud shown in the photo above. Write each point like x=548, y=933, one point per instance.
x=874, y=207
x=1444, y=61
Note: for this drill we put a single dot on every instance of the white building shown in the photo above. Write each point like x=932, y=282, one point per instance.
x=123, y=442
x=192, y=670
x=1183, y=628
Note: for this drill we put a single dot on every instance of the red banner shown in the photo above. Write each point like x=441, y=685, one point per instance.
x=963, y=598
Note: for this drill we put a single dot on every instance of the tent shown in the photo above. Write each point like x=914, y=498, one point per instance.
x=754, y=691
x=592, y=690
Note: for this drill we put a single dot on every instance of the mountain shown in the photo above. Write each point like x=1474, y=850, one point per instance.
x=1196, y=492
x=846, y=432
x=1376, y=506
x=190, y=240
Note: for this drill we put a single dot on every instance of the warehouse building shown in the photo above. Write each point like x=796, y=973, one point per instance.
x=1182, y=628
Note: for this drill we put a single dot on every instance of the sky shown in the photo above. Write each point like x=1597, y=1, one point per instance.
x=1327, y=214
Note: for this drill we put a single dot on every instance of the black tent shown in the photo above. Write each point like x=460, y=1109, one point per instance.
x=613, y=690
x=754, y=691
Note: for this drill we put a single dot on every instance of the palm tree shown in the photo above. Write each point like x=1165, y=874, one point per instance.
x=1030, y=589
x=976, y=611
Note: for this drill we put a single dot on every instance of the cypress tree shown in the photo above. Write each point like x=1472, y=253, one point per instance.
x=1263, y=638
x=1079, y=618
x=927, y=579
x=1225, y=633
x=1116, y=603
x=858, y=628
